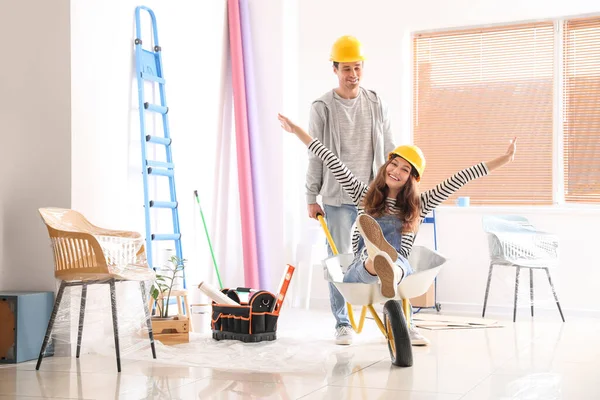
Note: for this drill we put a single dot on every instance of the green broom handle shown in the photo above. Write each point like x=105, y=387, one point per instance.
x=208, y=238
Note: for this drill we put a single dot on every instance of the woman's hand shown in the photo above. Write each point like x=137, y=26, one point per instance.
x=505, y=158
x=286, y=124
x=289, y=126
x=512, y=149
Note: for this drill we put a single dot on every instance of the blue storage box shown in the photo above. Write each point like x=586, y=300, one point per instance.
x=24, y=318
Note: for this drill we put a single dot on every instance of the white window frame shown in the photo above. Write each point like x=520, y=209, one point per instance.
x=558, y=172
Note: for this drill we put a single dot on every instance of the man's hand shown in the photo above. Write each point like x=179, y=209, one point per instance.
x=314, y=209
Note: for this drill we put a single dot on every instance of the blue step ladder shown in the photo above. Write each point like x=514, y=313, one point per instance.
x=432, y=220
x=149, y=68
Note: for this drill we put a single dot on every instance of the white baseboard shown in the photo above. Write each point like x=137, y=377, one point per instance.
x=545, y=310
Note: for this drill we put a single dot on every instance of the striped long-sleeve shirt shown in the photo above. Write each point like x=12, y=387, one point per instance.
x=429, y=199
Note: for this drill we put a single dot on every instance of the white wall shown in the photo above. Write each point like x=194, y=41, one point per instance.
x=463, y=281
x=268, y=37
x=35, y=118
x=107, y=180
x=385, y=28
x=107, y=183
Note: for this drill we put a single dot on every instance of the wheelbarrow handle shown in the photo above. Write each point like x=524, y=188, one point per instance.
x=327, y=234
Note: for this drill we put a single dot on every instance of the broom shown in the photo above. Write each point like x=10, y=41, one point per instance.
x=208, y=238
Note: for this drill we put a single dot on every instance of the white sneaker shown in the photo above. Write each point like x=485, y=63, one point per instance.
x=343, y=335
x=389, y=274
x=373, y=237
x=416, y=339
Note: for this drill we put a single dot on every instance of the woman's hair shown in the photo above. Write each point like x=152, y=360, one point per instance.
x=408, y=200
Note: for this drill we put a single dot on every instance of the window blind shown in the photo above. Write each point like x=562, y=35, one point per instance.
x=474, y=90
x=581, y=110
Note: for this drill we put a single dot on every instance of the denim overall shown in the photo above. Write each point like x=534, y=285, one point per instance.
x=391, y=227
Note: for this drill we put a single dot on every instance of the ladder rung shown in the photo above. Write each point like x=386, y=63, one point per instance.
x=156, y=108
x=160, y=171
x=166, y=236
x=158, y=139
x=160, y=164
x=153, y=78
x=163, y=204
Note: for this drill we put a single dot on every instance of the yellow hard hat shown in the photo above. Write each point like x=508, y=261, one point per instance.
x=347, y=49
x=413, y=155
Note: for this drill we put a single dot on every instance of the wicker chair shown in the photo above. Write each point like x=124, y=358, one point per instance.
x=85, y=254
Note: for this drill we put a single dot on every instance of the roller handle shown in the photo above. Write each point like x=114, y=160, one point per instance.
x=327, y=234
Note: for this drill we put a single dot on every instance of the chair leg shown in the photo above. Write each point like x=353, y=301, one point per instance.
x=531, y=288
x=148, y=321
x=81, y=316
x=516, y=294
x=555, y=296
x=51, y=323
x=113, y=302
x=151, y=305
x=188, y=311
x=179, y=305
x=487, y=289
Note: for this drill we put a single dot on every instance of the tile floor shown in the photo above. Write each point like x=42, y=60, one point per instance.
x=532, y=359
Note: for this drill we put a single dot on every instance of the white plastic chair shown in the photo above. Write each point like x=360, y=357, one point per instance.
x=514, y=242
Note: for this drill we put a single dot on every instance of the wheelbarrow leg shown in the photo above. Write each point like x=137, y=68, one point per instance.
x=406, y=308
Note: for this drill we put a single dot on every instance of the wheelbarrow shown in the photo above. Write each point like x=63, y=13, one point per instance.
x=426, y=264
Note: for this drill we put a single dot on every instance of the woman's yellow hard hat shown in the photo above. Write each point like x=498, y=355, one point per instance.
x=413, y=155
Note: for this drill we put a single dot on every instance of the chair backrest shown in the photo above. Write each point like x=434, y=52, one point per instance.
x=505, y=223
x=65, y=219
x=514, y=239
x=76, y=250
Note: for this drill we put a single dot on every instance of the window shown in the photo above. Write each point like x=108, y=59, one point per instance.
x=581, y=110
x=474, y=90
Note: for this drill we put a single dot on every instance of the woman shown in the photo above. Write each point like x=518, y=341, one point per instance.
x=391, y=208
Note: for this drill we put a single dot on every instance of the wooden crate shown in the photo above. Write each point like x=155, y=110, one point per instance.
x=173, y=330
x=427, y=299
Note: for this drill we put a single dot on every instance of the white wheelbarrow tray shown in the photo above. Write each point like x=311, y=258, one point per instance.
x=426, y=264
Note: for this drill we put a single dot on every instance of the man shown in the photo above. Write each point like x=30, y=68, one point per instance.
x=352, y=122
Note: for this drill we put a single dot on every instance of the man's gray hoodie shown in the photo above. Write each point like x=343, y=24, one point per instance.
x=324, y=126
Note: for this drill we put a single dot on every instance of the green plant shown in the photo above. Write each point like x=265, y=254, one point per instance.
x=163, y=284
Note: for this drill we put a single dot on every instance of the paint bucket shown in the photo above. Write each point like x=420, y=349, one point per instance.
x=201, y=314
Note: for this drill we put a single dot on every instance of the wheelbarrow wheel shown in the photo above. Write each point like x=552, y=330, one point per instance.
x=398, y=339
